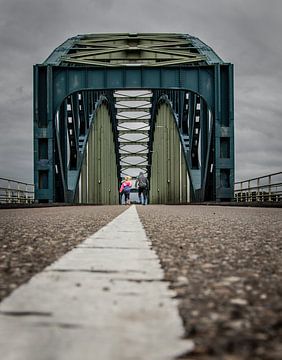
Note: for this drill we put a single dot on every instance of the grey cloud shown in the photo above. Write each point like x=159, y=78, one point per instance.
x=246, y=33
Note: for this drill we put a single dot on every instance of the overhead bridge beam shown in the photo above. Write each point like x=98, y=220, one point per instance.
x=133, y=98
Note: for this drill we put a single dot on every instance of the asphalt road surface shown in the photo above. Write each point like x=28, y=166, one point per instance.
x=31, y=239
x=225, y=264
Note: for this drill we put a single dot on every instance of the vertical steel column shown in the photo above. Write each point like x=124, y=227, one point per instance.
x=44, y=180
x=204, y=136
x=231, y=128
x=35, y=129
x=83, y=180
x=60, y=156
x=224, y=132
x=51, y=130
x=217, y=94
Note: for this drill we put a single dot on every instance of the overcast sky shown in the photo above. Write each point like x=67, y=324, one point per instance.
x=246, y=33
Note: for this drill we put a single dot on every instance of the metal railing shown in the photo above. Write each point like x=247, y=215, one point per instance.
x=16, y=192
x=260, y=189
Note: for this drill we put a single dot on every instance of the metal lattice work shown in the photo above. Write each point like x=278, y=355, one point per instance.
x=133, y=122
x=131, y=74
x=132, y=49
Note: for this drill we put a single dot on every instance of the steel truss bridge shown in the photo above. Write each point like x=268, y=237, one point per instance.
x=110, y=105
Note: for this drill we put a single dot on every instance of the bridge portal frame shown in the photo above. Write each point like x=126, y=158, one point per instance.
x=213, y=82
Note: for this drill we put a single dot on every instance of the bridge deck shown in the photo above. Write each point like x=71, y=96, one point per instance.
x=224, y=263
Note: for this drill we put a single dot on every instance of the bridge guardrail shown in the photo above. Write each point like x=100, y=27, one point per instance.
x=259, y=189
x=16, y=192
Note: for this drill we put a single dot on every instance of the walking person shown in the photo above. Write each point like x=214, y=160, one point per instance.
x=143, y=186
x=125, y=189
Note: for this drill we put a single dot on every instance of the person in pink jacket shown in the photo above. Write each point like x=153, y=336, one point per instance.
x=125, y=189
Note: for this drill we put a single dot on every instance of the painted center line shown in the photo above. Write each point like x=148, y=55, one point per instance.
x=105, y=300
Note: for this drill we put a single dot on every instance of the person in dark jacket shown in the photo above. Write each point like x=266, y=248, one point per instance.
x=142, y=184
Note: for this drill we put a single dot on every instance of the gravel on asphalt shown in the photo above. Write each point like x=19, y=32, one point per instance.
x=225, y=264
x=31, y=239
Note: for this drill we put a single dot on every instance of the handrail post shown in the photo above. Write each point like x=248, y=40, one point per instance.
x=9, y=192
x=258, y=195
x=18, y=194
x=269, y=188
x=6, y=195
x=26, y=194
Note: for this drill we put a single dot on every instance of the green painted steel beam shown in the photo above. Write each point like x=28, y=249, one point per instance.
x=169, y=180
x=132, y=142
x=66, y=80
x=132, y=166
x=132, y=98
x=133, y=131
x=98, y=180
x=112, y=50
x=123, y=156
x=132, y=109
x=136, y=153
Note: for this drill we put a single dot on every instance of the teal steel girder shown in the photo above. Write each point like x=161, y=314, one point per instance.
x=213, y=83
x=116, y=49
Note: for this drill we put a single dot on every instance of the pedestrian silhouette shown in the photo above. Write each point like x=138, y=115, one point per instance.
x=143, y=186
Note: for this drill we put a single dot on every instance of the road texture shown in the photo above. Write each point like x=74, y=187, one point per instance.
x=31, y=239
x=104, y=300
x=225, y=264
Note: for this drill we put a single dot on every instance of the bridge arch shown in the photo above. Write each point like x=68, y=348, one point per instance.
x=86, y=163
x=178, y=66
